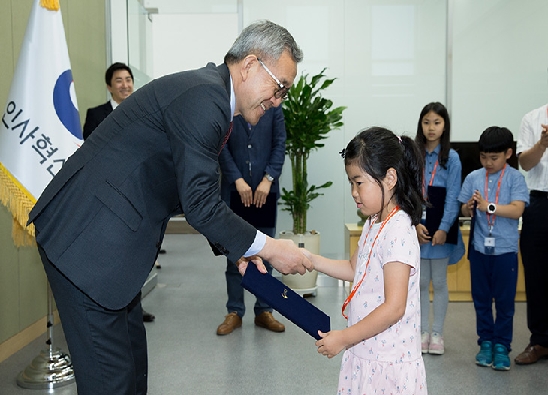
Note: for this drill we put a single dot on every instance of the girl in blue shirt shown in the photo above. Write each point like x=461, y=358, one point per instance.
x=438, y=231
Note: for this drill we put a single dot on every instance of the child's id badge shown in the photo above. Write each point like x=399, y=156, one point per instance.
x=489, y=245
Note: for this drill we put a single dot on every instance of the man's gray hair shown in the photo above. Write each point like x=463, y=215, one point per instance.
x=266, y=40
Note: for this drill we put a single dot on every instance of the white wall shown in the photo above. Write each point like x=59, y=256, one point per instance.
x=190, y=41
x=389, y=59
x=500, y=63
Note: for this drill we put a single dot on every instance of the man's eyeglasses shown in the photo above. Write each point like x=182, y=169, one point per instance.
x=281, y=92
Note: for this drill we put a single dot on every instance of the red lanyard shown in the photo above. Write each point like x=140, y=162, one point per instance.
x=491, y=217
x=431, y=178
x=388, y=217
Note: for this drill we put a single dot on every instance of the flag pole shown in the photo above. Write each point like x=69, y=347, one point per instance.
x=52, y=368
x=40, y=123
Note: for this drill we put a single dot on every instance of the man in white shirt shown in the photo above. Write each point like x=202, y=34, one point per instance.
x=531, y=151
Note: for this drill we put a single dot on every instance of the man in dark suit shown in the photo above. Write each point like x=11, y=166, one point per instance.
x=101, y=220
x=119, y=80
x=251, y=164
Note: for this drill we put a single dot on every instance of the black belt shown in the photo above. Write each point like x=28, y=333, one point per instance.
x=540, y=194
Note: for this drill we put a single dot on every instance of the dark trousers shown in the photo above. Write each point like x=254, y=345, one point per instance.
x=534, y=254
x=494, y=277
x=107, y=347
x=234, y=289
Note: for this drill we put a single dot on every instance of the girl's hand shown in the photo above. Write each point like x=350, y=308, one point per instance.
x=331, y=343
x=439, y=237
x=422, y=234
x=243, y=262
x=309, y=255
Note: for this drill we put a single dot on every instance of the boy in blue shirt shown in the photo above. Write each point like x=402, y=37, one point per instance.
x=495, y=196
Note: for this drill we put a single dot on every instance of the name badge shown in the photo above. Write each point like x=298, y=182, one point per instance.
x=489, y=245
x=423, y=213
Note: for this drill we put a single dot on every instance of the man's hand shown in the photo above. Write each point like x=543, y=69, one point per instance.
x=263, y=189
x=285, y=256
x=544, y=136
x=246, y=194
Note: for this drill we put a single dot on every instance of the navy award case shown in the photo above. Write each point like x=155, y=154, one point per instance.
x=286, y=301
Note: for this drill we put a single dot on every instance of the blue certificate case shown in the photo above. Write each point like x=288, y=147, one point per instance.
x=434, y=214
x=286, y=301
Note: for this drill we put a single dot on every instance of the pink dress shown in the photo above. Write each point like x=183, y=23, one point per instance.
x=390, y=362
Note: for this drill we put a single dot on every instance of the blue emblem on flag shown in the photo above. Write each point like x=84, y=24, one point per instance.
x=64, y=107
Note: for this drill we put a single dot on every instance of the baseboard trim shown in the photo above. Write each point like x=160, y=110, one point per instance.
x=23, y=338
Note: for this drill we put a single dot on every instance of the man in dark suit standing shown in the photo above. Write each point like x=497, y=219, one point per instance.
x=119, y=80
x=251, y=164
x=101, y=220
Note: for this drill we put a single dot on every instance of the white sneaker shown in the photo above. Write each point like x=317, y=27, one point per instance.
x=436, y=345
x=425, y=341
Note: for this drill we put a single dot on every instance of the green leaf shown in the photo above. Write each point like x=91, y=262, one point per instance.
x=309, y=117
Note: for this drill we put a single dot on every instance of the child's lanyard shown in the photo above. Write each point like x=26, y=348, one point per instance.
x=491, y=217
x=431, y=179
x=388, y=217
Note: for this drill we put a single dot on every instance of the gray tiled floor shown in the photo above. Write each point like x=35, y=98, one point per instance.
x=186, y=357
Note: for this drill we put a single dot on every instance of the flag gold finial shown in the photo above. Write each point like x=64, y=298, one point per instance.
x=51, y=5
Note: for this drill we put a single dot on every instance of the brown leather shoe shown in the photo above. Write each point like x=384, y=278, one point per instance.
x=531, y=354
x=231, y=322
x=267, y=321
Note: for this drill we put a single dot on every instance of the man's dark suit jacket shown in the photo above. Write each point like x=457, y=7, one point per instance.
x=251, y=152
x=95, y=116
x=102, y=218
x=263, y=146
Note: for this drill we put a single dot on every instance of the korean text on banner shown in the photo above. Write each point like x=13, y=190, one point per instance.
x=40, y=125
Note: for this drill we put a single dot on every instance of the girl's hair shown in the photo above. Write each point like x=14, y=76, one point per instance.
x=436, y=108
x=375, y=150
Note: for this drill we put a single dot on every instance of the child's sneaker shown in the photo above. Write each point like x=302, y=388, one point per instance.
x=436, y=345
x=425, y=342
x=485, y=355
x=501, y=361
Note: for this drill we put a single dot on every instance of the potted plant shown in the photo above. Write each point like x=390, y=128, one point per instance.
x=309, y=117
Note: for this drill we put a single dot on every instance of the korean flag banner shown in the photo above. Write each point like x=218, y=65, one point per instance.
x=40, y=126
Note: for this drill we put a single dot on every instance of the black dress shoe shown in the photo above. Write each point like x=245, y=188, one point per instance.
x=147, y=317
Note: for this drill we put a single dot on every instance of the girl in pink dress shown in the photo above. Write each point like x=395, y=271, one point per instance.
x=382, y=342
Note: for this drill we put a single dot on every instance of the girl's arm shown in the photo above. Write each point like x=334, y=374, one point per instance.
x=396, y=280
x=341, y=269
x=451, y=206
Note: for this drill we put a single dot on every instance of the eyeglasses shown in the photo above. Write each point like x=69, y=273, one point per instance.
x=281, y=92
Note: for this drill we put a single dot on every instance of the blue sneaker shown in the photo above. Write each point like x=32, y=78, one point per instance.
x=501, y=361
x=485, y=355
